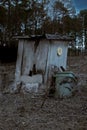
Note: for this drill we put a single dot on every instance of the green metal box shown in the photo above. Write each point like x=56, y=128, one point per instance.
x=65, y=81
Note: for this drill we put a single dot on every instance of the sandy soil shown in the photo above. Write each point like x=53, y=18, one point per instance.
x=23, y=111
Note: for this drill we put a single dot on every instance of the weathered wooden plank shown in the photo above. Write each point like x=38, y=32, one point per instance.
x=41, y=55
x=47, y=63
x=19, y=60
x=28, y=57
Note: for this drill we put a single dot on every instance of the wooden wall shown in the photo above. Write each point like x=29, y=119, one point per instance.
x=54, y=58
x=42, y=56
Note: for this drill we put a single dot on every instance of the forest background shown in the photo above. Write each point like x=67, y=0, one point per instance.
x=38, y=17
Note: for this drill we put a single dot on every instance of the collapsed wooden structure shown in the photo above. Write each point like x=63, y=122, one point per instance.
x=41, y=55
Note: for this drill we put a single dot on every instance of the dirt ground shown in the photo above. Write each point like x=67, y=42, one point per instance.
x=23, y=111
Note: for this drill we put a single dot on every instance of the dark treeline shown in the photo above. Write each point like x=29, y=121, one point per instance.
x=27, y=17
x=8, y=54
x=32, y=17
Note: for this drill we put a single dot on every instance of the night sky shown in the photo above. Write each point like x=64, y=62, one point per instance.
x=80, y=4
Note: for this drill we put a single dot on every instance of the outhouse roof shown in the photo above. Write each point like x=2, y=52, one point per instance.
x=58, y=37
x=46, y=36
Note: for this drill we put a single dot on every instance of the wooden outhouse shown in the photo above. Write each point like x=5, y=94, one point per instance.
x=40, y=55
